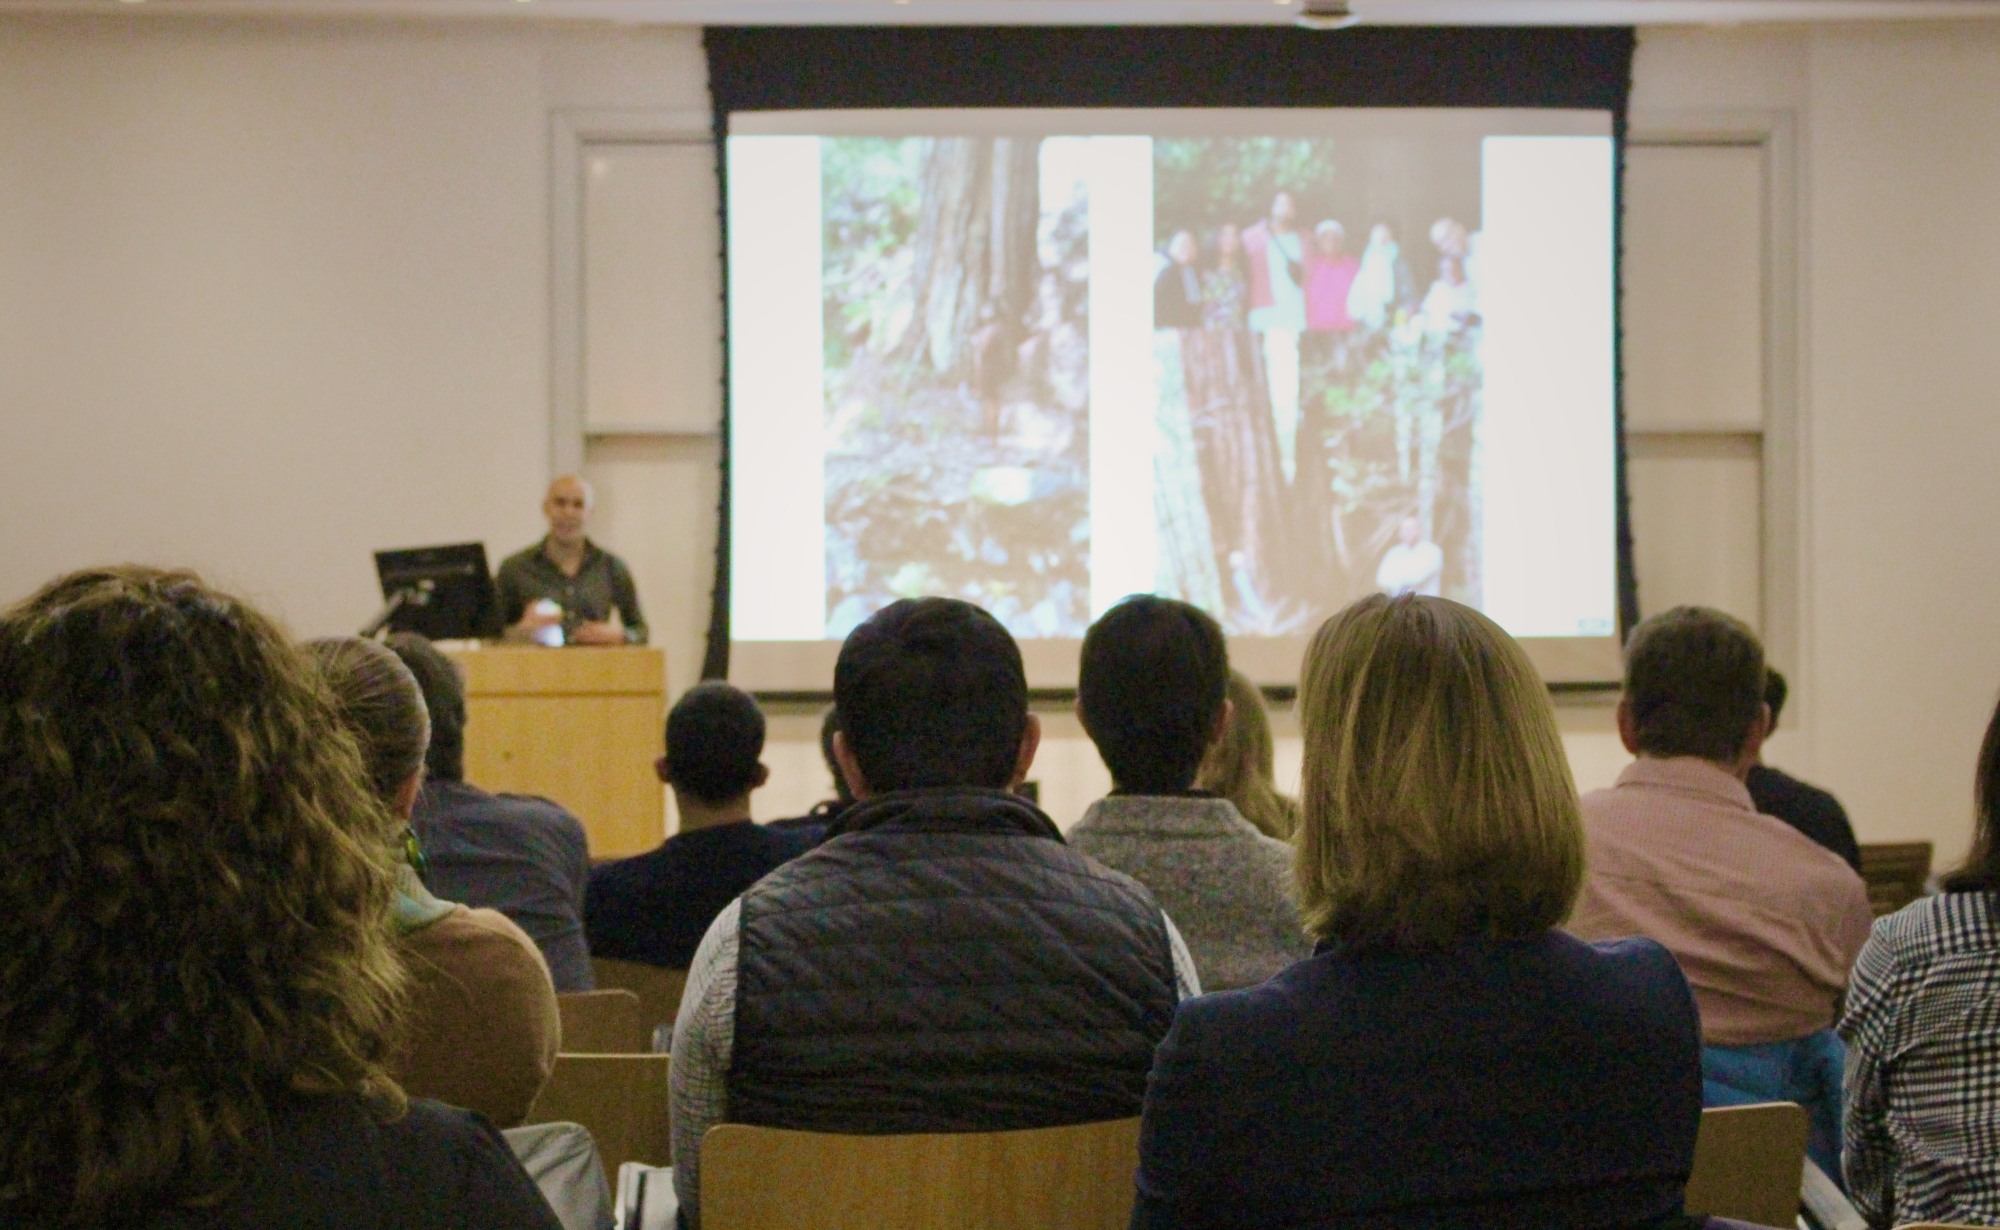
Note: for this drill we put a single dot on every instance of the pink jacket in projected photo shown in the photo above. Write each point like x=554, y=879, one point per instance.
x=1327, y=284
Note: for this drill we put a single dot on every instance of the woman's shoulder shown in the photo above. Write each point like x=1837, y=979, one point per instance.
x=1634, y=964
x=1938, y=927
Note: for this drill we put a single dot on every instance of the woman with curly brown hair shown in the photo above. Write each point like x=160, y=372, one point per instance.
x=199, y=988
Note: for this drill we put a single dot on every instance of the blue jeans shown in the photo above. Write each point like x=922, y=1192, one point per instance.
x=1806, y=1070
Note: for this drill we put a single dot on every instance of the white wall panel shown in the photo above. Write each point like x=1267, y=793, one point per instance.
x=652, y=288
x=1694, y=287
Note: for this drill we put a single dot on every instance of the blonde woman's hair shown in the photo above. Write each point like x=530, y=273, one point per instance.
x=1240, y=766
x=1438, y=805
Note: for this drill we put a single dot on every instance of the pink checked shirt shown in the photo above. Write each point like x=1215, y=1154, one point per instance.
x=1764, y=922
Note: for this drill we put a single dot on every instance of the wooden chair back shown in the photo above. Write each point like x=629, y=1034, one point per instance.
x=603, y=1022
x=1065, y=1178
x=1895, y=873
x=1749, y=1163
x=659, y=990
x=621, y=1099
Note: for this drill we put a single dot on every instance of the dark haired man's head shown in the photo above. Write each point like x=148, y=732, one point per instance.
x=443, y=687
x=1151, y=692
x=931, y=692
x=829, y=726
x=1694, y=686
x=1775, y=692
x=715, y=735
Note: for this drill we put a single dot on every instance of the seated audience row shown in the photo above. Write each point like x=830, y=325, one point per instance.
x=232, y=986
x=204, y=998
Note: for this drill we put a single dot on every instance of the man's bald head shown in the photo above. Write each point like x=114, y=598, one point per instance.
x=567, y=506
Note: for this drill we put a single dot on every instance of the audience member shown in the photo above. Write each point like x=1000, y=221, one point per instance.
x=1152, y=695
x=654, y=908
x=200, y=988
x=1242, y=765
x=1448, y=1058
x=825, y=812
x=976, y=975
x=1765, y=922
x=1923, y=1075
x=483, y=1029
x=521, y=855
x=1807, y=808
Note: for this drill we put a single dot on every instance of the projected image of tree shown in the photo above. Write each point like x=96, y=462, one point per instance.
x=1316, y=337
x=956, y=282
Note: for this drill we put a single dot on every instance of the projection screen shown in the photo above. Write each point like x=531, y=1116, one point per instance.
x=1266, y=361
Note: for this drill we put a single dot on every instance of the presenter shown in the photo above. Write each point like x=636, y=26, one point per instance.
x=568, y=583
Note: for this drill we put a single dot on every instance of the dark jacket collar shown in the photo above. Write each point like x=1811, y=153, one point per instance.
x=590, y=553
x=946, y=809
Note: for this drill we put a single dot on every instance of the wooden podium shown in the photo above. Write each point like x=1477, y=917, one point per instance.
x=581, y=726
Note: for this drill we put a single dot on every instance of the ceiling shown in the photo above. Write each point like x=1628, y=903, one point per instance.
x=1038, y=12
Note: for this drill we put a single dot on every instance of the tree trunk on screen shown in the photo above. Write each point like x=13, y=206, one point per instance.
x=975, y=259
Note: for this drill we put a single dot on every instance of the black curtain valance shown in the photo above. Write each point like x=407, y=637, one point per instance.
x=789, y=68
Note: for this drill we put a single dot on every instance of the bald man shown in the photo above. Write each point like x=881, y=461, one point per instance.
x=567, y=581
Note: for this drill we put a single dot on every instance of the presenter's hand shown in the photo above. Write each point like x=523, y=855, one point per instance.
x=597, y=632
x=539, y=615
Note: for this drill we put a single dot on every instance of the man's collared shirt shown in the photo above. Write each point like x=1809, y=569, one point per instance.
x=1764, y=922
x=602, y=584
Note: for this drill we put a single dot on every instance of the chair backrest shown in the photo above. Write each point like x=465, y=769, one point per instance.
x=603, y=1023
x=1749, y=1162
x=562, y=1160
x=1895, y=873
x=1064, y=1178
x=659, y=990
x=620, y=1099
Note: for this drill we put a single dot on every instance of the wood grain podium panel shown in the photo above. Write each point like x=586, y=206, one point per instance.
x=580, y=726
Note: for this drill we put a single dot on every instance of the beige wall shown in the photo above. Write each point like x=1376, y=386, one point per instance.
x=272, y=296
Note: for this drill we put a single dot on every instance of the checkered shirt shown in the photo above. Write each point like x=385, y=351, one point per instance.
x=1922, y=1130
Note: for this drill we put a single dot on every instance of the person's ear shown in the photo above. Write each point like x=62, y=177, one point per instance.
x=1031, y=739
x=1753, y=743
x=1628, y=726
x=405, y=801
x=762, y=775
x=1223, y=717
x=850, y=768
x=661, y=771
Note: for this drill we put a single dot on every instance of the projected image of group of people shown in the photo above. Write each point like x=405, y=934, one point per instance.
x=1315, y=372
x=1317, y=398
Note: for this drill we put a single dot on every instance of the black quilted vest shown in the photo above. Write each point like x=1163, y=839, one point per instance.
x=944, y=962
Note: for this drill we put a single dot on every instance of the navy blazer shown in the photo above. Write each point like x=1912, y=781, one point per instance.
x=1544, y=1083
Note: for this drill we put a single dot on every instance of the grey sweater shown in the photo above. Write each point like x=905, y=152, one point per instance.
x=1227, y=886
